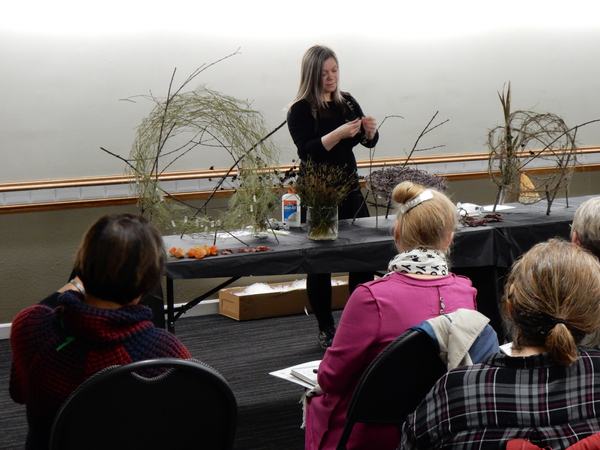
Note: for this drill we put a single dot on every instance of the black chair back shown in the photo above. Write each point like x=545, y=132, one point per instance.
x=394, y=383
x=188, y=405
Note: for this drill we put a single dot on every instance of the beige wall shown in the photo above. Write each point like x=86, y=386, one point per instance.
x=38, y=248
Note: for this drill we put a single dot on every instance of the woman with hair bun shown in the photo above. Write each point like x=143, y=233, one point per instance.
x=418, y=287
x=547, y=390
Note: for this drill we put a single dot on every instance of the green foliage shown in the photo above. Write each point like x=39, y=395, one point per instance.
x=255, y=199
x=204, y=121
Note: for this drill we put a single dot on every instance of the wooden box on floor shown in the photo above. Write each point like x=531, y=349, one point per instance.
x=274, y=304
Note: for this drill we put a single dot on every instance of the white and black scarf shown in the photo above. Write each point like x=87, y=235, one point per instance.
x=420, y=261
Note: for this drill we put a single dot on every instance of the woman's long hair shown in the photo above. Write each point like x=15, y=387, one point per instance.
x=311, y=85
x=553, y=298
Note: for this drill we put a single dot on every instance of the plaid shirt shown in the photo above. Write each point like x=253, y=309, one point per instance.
x=485, y=405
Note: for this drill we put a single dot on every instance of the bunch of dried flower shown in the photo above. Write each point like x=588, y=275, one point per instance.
x=321, y=188
x=322, y=184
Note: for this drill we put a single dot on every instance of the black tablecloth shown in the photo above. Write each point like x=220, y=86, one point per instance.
x=361, y=245
x=367, y=244
x=483, y=253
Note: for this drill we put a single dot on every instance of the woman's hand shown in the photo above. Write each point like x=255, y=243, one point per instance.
x=370, y=126
x=349, y=129
x=314, y=391
x=345, y=131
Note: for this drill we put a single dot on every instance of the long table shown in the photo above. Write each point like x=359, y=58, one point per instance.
x=483, y=253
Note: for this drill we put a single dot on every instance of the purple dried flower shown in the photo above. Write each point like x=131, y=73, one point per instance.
x=382, y=182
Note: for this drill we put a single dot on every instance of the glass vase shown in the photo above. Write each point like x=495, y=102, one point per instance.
x=260, y=230
x=322, y=223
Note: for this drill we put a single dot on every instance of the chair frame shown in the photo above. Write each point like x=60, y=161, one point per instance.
x=388, y=390
x=127, y=377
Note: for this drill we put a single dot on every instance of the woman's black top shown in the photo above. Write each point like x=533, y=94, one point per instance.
x=307, y=130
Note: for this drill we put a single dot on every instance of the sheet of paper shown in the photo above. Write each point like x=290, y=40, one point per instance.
x=286, y=374
x=307, y=373
x=490, y=208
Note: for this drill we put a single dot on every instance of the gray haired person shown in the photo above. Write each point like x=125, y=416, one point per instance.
x=585, y=230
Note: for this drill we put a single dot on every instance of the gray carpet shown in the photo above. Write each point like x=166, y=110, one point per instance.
x=244, y=353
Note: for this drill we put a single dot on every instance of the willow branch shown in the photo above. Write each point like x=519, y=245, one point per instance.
x=236, y=164
x=423, y=133
x=126, y=161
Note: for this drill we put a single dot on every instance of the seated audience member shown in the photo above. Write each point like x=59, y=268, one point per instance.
x=418, y=287
x=545, y=392
x=585, y=230
x=55, y=350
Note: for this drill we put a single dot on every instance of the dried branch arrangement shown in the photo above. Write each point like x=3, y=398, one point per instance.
x=382, y=182
x=530, y=140
x=321, y=188
x=322, y=185
x=197, y=124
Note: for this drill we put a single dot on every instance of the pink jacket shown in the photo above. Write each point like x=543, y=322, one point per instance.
x=376, y=314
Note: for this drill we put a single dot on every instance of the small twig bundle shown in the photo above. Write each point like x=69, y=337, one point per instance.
x=382, y=182
x=322, y=185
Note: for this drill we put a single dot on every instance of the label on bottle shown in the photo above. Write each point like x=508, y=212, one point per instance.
x=290, y=212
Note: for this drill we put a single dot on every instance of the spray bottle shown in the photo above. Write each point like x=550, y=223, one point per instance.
x=290, y=207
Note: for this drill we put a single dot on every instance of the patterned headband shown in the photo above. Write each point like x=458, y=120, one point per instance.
x=425, y=195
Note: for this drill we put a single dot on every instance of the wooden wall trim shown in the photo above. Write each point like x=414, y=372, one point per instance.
x=194, y=174
x=376, y=163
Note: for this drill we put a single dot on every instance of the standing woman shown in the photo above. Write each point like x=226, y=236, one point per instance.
x=326, y=124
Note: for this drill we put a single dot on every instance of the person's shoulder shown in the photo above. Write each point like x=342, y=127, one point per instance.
x=51, y=300
x=300, y=105
x=459, y=377
x=30, y=319
x=461, y=279
x=300, y=113
x=169, y=343
x=591, y=352
x=391, y=279
x=490, y=363
x=33, y=312
x=365, y=292
x=378, y=282
x=378, y=285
